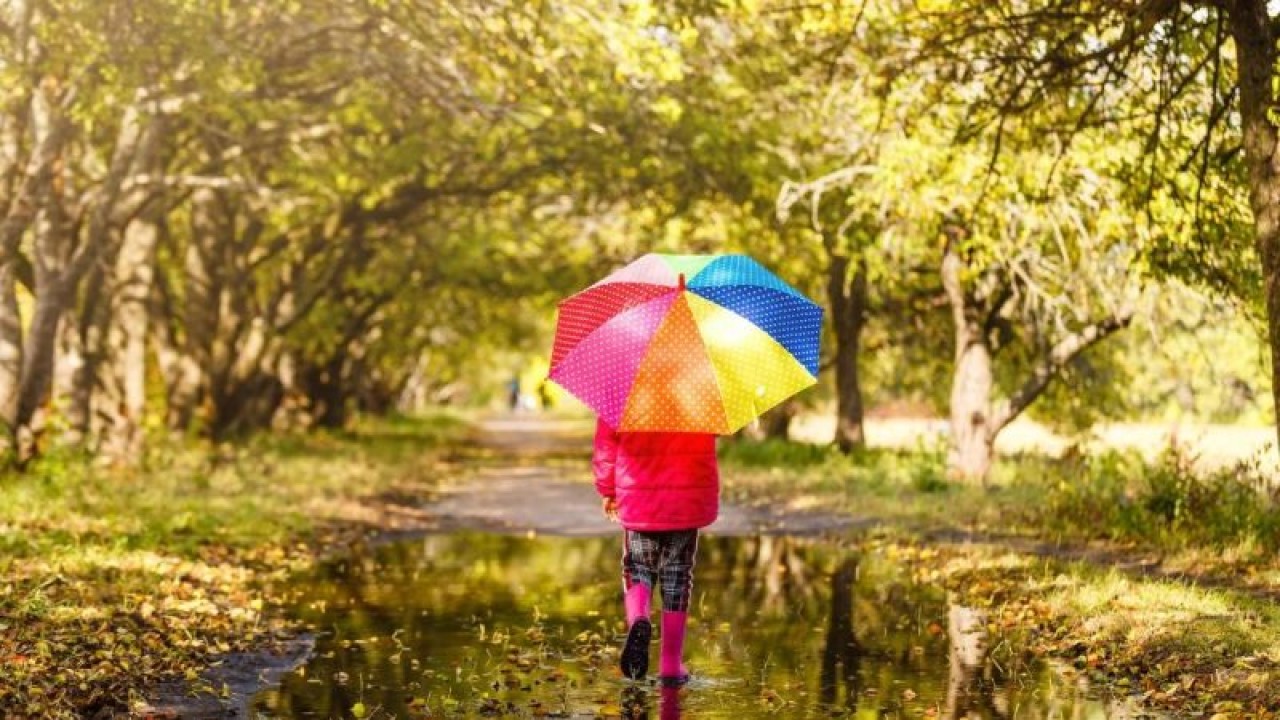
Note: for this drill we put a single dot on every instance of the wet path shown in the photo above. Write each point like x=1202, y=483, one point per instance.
x=536, y=480
x=510, y=622
x=476, y=625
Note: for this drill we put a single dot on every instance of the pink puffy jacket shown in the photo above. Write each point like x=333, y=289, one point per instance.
x=662, y=481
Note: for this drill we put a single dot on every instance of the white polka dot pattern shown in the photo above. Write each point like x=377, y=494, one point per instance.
x=754, y=372
x=794, y=322
x=601, y=369
x=581, y=314
x=738, y=270
x=675, y=388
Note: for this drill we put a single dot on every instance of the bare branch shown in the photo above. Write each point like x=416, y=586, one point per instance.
x=1049, y=367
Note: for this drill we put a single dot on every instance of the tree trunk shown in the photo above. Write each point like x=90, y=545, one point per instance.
x=972, y=436
x=182, y=376
x=124, y=370
x=32, y=206
x=250, y=391
x=60, y=262
x=251, y=406
x=1251, y=29
x=10, y=351
x=54, y=290
x=972, y=439
x=246, y=390
x=236, y=346
x=976, y=416
x=38, y=366
x=327, y=392
x=191, y=357
x=183, y=383
x=847, y=293
x=413, y=391
x=76, y=365
x=776, y=423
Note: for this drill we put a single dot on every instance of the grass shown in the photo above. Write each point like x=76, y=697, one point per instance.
x=113, y=578
x=1172, y=644
x=1165, y=504
x=1189, y=650
x=898, y=487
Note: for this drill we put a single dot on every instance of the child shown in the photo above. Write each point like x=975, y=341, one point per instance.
x=661, y=487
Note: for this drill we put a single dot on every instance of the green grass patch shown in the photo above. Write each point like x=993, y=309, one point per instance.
x=1190, y=650
x=111, y=578
x=1164, y=503
x=901, y=487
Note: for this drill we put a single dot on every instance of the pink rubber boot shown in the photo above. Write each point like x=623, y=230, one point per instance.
x=671, y=671
x=637, y=602
x=634, y=659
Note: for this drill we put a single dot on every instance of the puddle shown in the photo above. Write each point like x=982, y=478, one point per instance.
x=478, y=625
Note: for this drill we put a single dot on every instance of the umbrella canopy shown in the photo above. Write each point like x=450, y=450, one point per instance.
x=686, y=343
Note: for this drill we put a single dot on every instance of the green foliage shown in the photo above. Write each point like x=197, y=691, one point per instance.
x=824, y=469
x=404, y=189
x=1168, y=502
x=779, y=453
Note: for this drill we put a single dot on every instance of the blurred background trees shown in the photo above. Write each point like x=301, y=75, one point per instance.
x=218, y=217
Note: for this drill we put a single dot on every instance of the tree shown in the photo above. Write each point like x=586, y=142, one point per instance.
x=210, y=178
x=1034, y=276
x=1036, y=262
x=1194, y=81
x=853, y=121
x=85, y=132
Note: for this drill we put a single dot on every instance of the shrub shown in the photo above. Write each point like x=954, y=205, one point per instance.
x=1168, y=501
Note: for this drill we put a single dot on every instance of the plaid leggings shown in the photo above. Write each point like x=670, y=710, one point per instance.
x=650, y=557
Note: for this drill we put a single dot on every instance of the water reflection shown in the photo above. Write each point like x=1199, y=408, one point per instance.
x=841, y=654
x=473, y=625
x=637, y=702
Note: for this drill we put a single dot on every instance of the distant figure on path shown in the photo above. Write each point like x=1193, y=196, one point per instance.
x=513, y=393
x=662, y=488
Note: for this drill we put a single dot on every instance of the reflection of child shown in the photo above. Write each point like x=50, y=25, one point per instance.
x=661, y=487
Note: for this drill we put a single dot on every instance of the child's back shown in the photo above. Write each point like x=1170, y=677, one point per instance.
x=660, y=481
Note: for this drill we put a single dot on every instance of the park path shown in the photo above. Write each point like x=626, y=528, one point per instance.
x=535, y=479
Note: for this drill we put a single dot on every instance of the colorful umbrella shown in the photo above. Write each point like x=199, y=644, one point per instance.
x=686, y=343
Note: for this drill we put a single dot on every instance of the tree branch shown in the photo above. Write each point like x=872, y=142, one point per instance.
x=1050, y=366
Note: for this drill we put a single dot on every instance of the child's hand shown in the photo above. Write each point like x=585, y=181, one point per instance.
x=610, y=507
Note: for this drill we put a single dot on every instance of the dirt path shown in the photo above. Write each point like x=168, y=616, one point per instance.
x=537, y=481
